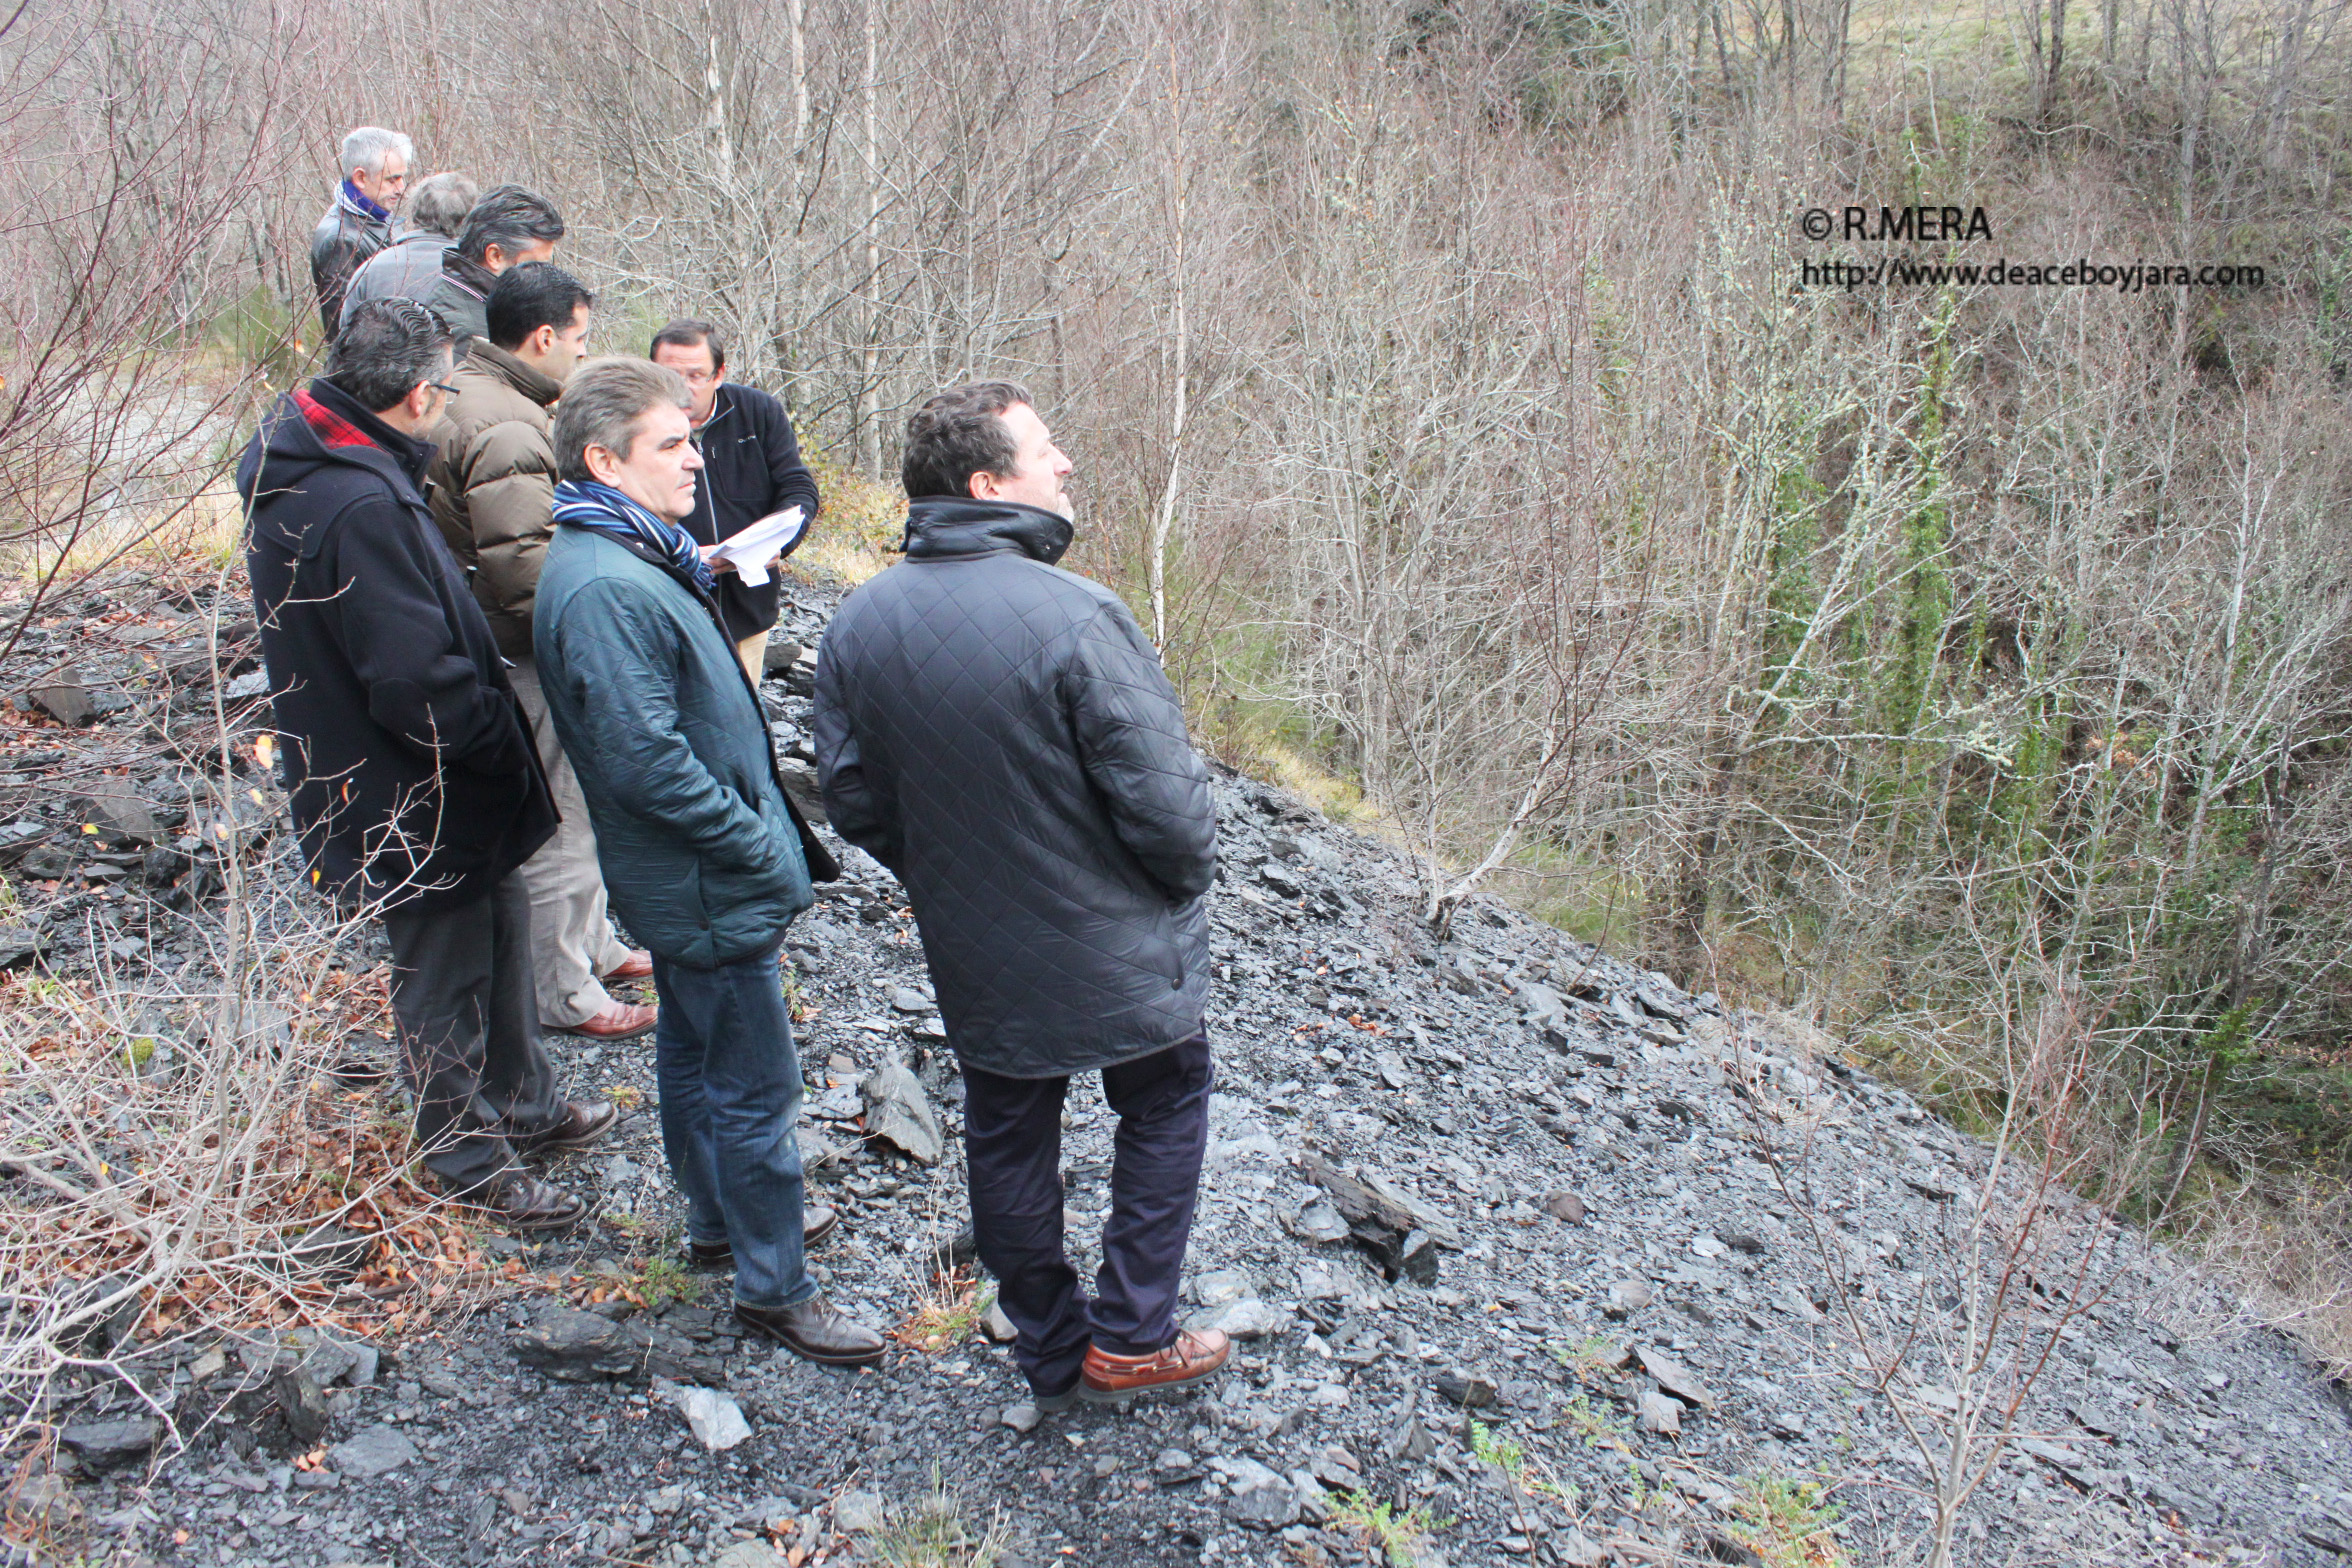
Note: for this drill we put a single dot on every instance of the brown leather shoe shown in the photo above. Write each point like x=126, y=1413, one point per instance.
x=637, y=966
x=583, y=1122
x=524, y=1202
x=816, y=1330
x=619, y=1021
x=1195, y=1354
x=816, y=1223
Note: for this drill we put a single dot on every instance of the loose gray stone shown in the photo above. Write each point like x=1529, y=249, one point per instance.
x=899, y=1113
x=20, y=945
x=114, y=807
x=1022, y=1417
x=101, y=1445
x=746, y=1554
x=716, y=1419
x=1320, y=1223
x=858, y=1513
x=1674, y=1377
x=64, y=698
x=1658, y=1414
x=1248, y=1318
x=1219, y=1286
x=303, y=1403
x=997, y=1326
x=1336, y=1467
x=1565, y=1206
x=1626, y=1297
x=377, y=1451
x=1471, y=1393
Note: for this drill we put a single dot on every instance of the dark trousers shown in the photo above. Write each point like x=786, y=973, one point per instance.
x=463, y=997
x=1013, y=1157
x=730, y=1093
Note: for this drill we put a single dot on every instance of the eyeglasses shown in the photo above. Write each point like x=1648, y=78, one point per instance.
x=442, y=386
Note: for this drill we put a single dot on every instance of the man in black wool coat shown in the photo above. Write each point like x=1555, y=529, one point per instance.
x=999, y=733
x=407, y=761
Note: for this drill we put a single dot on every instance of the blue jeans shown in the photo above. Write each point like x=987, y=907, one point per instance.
x=730, y=1093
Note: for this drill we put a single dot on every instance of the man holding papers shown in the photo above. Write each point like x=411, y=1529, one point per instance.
x=752, y=474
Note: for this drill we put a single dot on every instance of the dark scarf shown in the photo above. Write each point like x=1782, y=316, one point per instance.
x=361, y=203
x=587, y=504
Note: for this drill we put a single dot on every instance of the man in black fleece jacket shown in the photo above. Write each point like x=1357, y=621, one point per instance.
x=750, y=467
x=406, y=758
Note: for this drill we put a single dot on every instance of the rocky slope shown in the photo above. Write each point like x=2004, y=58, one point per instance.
x=1534, y=1257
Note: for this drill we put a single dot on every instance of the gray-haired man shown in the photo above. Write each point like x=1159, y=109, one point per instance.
x=359, y=224
x=437, y=211
x=507, y=225
x=703, y=854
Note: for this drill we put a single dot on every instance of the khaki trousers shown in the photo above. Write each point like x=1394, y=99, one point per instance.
x=572, y=939
x=753, y=651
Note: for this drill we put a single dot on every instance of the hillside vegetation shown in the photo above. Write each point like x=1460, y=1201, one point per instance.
x=1962, y=665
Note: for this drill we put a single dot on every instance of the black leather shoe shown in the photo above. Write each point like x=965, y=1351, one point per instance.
x=816, y=1223
x=583, y=1122
x=816, y=1330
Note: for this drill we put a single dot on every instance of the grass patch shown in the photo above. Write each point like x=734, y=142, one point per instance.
x=1589, y=1357
x=1599, y=1428
x=933, y=1534
x=947, y=1312
x=1523, y=1470
x=1790, y=1524
x=1397, y=1537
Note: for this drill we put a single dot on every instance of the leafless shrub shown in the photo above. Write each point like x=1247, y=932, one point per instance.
x=1956, y=1325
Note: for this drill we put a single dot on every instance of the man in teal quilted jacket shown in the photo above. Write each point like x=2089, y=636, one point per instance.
x=704, y=857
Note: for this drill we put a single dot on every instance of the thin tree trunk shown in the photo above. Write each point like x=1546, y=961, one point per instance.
x=869, y=406
x=1179, y=209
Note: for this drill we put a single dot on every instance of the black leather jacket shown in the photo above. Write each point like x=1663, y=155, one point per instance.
x=342, y=243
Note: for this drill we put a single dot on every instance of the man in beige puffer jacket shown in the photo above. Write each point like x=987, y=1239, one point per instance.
x=492, y=491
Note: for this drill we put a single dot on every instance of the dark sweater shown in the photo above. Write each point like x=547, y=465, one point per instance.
x=751, y=467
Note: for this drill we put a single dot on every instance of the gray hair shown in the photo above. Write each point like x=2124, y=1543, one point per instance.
x=511, y=218
x=367, y=148
x=440, y=203
x=603, y=404
x=387, y=347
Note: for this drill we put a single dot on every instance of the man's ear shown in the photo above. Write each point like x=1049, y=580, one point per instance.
x=542, y=340
x=982, y=484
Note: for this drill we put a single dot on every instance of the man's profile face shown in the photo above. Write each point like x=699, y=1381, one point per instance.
x=1038, y=466
x=569, y=348
x=658, y=472
x=497, y=259
x=386, y=188
x=701, y=373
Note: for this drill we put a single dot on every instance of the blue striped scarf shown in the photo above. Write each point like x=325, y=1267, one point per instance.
x=587, y=504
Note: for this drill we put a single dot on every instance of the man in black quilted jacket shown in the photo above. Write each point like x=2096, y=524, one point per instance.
x=998, y=732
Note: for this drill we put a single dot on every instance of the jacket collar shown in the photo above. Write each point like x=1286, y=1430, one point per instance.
x=722, y=404
x=469, y=275
x=945, y=526
x=336, y=418
x=487, y=359
x=348, y=195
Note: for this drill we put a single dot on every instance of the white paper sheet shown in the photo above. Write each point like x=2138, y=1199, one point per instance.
x=750, y=551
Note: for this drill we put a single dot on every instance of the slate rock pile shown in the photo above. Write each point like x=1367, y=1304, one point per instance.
x=1525, y=1248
